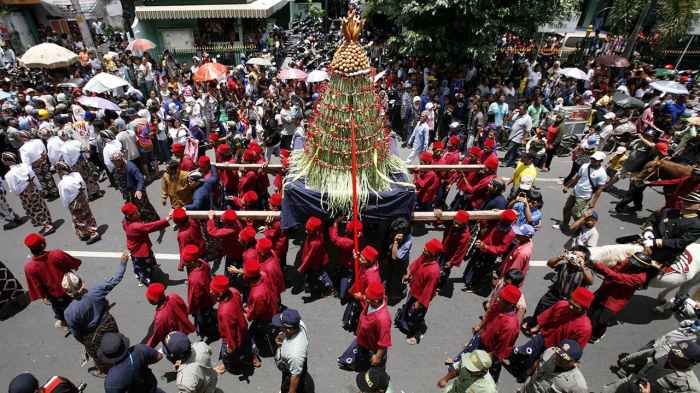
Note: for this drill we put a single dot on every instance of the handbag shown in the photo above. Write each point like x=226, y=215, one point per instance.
x=351, y=316
x=446, y=287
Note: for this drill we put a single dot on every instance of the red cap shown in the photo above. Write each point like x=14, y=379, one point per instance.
x=190, y=253
x=249, y=156
x=255, y=147
x=34, y=240
x=313, y=223
x=129, y=209
x=510, y=293
x=276, y=199
x=491, y=163
x=454, y=140
x=251, y=268
x=247, y=234
x=263, y=245
x=438, y=145
x=223, y=149
x=662, y=148
x=509, y=216
x=434, y=246
x=426, y=156
x=250, y=197
x=668, y=66
x=204, y=162
x=179, y=215
x=285, y=162
x=155, y=292
x=284, y=153
x=475, y=150
x=583, y=297
x=229, y=216
x=490, y=143
x=218, y=284
x=462, y=217
x=351, y=225
x=177, y=148
x=213, y=137
x=370, y=253
x=374, y=291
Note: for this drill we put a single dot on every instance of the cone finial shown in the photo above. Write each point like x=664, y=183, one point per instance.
x=352, y=26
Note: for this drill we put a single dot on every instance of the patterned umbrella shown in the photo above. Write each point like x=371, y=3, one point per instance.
x=292, y=73
x=210, y=72
x=140, y=45
x=613, y=61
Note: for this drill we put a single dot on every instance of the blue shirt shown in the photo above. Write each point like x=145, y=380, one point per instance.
x=675, y=110
x=498, y=203
x=134, y=178
x=202, y=198
x=535, y=214
x=84, y=314
x=404, y=250
x=132, y=375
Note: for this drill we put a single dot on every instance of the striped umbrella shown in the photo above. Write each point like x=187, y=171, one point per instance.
x=210, y=72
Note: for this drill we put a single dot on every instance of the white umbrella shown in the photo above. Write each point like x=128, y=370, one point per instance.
x=261, y=61
x=379, y=76
x=317, y=76
x=104, y=82
x=574, y=73
x=670, y=87
x=48, y=55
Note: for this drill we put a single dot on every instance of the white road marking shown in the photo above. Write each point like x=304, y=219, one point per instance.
x=542, y=179
x=176, y=257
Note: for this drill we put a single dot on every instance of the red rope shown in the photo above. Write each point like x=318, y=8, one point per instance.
x=355, y=212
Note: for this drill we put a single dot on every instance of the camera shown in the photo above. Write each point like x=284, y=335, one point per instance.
x=571, y=257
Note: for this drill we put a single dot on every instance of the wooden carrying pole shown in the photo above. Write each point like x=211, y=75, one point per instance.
x=417, y=216
x=273, y=168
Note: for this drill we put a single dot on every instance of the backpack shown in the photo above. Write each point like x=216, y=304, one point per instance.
x=59, y=385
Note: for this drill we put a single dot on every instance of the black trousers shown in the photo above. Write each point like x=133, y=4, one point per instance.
x=601, y=318
x=306, y=383
x=392, y=272
x=549, y=157
x=574, y=170
x=546, y=301
x=59, y=305
x=634, y=195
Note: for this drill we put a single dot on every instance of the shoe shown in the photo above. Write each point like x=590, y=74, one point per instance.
x=595, y=340
x=411, y=341
x=94, y=239
x=97, y=373
x=556, y=226
x=59, y=324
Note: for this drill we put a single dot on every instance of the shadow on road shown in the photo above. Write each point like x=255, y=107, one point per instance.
x=640, y=311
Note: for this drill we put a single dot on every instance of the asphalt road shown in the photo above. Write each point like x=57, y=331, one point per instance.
x=30, y=342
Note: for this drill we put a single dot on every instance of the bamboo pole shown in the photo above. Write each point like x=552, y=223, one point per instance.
x=417, y=216
x=273, y=168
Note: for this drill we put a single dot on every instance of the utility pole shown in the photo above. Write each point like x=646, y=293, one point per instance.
x=632, y=40
x=82, y=24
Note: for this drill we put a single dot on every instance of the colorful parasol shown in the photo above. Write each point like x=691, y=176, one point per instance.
x=210, y=72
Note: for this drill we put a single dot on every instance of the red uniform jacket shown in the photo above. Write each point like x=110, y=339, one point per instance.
x=263, y=182
x=137, y=240
x=479, y=192
x=248, y=182
x=233, y=326
x=187, y=165
x=45, y=272
x=485, y=156
x=277, y=182
x=499, y=333
x=427, y=185
x=684, y=186
x=558, y=322
x=367, y=276
x=456, y=243
x=313, y=254
x=345, y=246
x=229, y=179
x=271, y=267
x=198, y=295
x=451, y=158
x=497, y=241
x=262, y=301
x=374, y=329
x=170, y=316
x=518, y=258
x=617, y=287
x=228, y=238
x=280, y=243
x=425, y=274
x=190, y=233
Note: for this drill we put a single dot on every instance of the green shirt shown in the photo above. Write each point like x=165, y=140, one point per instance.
x=466, y=383
x=536, y=113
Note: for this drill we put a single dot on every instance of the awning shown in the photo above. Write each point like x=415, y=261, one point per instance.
x=257, y=9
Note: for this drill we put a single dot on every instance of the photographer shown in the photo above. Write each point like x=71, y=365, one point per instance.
x=528, y=208
x=570, y=272
x=192, y=362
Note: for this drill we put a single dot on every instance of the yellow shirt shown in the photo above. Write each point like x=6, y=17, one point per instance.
x=176, y=189
x=522, y=170
x=617, y=161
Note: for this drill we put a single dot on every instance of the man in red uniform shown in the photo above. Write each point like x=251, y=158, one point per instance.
x=494, y=243
x=44, y=272
x=455, y=239
x=369, y=272
x=488, y=151
x=451, y=157
x=474, y=195
x=138, y=241
x=186, y=164
x=423, y=276
x=249, y=201
x=565, y=319
x=427, y=184
x=236, y=346
x=273, y=230
x=684, y=186
x=314, y=259
x=188, y=232
x=170, y=315
x=227, y=176
x=373, y=334
x=201, y=303
x=261, y=306
x=270, y=266
x=227, y=236
x=619, y=284
x=344, y=250
x=249, y=180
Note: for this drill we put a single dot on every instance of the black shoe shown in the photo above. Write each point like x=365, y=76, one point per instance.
x=94, y=239
x=12, y=224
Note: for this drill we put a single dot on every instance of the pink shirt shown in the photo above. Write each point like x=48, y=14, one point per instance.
x=517, y=258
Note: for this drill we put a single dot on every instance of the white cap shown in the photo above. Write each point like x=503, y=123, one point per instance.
x=621, y=150
x=416, y=99
x=454, y=124
x=609, y=116
x=598, y=156
x=526, y=183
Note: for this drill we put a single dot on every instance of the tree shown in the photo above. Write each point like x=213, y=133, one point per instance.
x=670, y=18
x=454, y=29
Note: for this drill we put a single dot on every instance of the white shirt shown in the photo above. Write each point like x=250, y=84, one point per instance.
x=70, y=186
x=584, y=187
x=53, y=147
x=31, y=151
x=71, y=152
x=17, y=178
x=587, y=237
x=291, y=355
x=110, y=148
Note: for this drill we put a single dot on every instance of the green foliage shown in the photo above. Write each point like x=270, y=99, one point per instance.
x=673, y=17
x=623, y=16
x=454, y=29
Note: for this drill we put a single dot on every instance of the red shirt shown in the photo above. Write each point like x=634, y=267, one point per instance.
x=137, y=240
x=367, y=275
x=618, y=286
x=313, y=254
x=456, y=243
x=233, y=327
x=248, y=182
x=499, y=333
x=228, y=238
x=189, y=233
x=558, y=322
x=198, y=295
x=345, y=246
x=171, y=316
x=263, y=182
x=518, y=258
x=497, y=241
x=262, y=301
x=479, y=192
x=425, y=274
x=427, y=185
x=45, y=272
x=280, y=244
x=187, y=165
x=374, y=329
x=271, y=267
x=552, y=132
x=229, y=179
x=485, y=156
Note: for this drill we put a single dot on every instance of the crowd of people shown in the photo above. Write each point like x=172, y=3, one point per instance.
x=179, y=131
